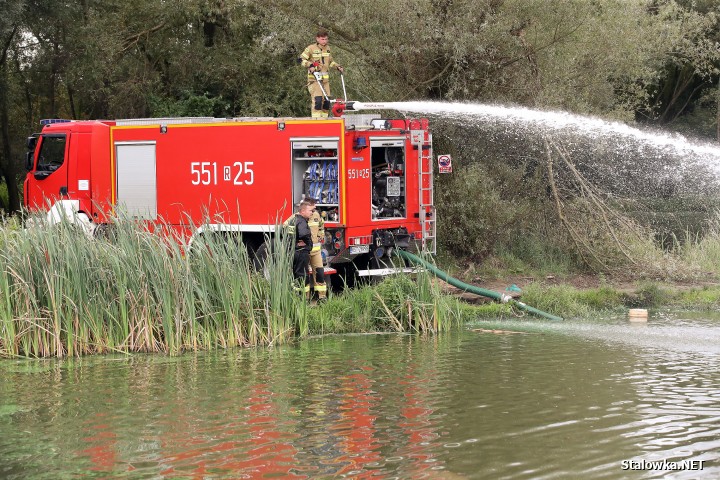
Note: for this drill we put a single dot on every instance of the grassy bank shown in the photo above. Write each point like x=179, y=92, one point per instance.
x=685, y=274
x=65, y=294
x=571, y=302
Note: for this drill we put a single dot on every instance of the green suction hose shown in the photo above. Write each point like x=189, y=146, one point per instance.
x=501, y=297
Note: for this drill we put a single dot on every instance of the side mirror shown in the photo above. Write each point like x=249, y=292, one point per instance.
x=31, y=143
x=29, y=160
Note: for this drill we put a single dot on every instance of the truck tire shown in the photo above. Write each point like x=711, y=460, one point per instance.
x=259, y=259
x=105, y=231
x=346, y=276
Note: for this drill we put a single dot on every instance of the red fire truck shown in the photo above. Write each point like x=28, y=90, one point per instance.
x=372, y=178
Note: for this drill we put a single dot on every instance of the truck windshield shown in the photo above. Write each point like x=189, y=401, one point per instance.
x=52, y=153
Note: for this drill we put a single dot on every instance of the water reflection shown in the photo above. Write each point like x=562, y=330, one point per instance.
x=102, y=442
x=679, y=404
x=568, y=401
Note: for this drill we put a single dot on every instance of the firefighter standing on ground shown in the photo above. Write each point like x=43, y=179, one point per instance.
x=297, y=230
x=317, y=231
x=317, y=58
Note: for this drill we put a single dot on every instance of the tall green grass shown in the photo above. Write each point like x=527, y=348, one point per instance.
x=136, y=290
x=400, y=303
x=703, y=251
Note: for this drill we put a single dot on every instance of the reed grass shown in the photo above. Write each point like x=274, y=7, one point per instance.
x=135, y=290
x=65, y=294
x=400, y=303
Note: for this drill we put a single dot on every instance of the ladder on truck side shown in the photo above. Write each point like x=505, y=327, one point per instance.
x=425, y=191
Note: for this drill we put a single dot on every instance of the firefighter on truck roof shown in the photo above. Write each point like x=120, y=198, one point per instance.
x=296, y=229
x=317, y=58
x=317, y=230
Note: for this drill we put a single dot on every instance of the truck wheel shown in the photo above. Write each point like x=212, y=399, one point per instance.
x=105, y=231
x=346, y=276
x=259, y=259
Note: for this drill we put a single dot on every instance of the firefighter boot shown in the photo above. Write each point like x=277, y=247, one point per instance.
x=301, y=288
x=308, y=290
x=320, y=286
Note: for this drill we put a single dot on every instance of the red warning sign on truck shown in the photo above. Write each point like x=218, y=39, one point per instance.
x=445, y=163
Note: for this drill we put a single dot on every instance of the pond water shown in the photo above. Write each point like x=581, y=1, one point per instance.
x=561, y=400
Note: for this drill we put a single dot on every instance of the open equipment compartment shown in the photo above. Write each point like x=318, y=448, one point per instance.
x=316, y=173
x=388, y=177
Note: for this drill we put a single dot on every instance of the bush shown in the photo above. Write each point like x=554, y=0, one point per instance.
x=474, y=214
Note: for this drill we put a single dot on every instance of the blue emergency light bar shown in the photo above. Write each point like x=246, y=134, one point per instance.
x=50, y=121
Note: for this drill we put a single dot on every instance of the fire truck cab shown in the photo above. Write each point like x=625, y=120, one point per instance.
x=372, y=178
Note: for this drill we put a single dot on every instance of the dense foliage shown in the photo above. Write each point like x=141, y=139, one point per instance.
x=652, y=61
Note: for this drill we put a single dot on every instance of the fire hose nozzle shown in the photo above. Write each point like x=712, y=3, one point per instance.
x=339, y=107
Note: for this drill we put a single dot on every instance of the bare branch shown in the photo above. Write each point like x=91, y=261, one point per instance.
x=132, y=40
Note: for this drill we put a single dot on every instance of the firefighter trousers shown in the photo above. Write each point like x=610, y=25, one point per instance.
x=301, y=260
x=318, y=274
x=319, y=106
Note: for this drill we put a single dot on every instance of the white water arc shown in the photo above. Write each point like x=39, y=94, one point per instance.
x=563, y=122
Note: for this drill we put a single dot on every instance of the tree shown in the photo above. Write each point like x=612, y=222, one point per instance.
x=9, y=29
x=686, y=78
x=622, y=59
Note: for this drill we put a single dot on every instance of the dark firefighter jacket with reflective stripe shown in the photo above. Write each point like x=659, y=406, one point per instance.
x=297, y=226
